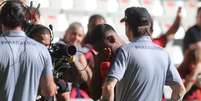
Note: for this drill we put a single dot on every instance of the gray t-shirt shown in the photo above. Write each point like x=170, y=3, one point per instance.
x=22, y=63
x=142, y=69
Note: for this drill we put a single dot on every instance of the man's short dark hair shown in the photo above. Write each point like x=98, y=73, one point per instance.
x=13, y=14
x=95, y=16
x=91, y=25
x=39, y=29
x=99, y=33
x=139, y=20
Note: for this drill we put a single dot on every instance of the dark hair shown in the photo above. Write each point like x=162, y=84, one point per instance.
x=99, y=33
x=198, y=10
x=38, y=29
x=191, y=56
x=13, y=14
x=139, y=20
x=91, y=25
x=94, y=17
x=141, y=30
x=92, y=21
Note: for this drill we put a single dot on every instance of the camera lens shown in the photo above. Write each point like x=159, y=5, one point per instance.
x=71, y=50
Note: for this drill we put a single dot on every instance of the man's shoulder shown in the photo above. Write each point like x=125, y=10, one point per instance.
x=134, y=46
x=193, y=29
x=36, y=44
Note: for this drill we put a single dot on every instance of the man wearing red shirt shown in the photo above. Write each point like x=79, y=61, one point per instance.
x=169, y=35
x=190, y=71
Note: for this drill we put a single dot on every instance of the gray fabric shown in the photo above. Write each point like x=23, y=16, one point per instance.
x=22, y=62
x=142, y=69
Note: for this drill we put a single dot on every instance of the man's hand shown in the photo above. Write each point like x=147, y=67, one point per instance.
x=108, y=89
x=83, y=69
x=179, y=13
x=47, y=86
x=178, y=92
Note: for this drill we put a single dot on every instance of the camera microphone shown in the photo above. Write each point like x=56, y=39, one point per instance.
x=31, y=4
x=51, y=34
x=51, y=27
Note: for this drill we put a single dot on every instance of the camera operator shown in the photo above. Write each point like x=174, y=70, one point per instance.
x=43, y=35
x=81, y=71
x=25, y=64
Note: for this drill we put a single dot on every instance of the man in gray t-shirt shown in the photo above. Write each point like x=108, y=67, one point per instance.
x=24, y=63
x=141, y=69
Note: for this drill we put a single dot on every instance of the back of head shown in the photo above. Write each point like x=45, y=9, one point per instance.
x=139, y=21
x=41, y=34
x=99, y=34
x=13, y=14
x=38, y=29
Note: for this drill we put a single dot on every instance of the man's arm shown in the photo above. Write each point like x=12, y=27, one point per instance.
x=178, y=92
x=175, y=26
x=174, y=80
x=83, y=69
x=108, y=89
x=47, y=85
x=191, y=78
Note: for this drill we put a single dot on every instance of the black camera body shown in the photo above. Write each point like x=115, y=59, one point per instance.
x=62, y=59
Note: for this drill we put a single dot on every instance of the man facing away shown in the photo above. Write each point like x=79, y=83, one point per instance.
x=24, y=63
x=141, y=68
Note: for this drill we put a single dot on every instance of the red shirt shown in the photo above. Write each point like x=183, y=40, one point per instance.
x=161, y=41
x=193, y=95
x=195, y=92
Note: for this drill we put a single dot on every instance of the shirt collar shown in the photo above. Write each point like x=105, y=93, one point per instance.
x=142, y=39
x=14, y=34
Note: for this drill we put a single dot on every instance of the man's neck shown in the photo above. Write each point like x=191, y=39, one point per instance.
x=198, y=24
x=16, y=29
x=116, y=47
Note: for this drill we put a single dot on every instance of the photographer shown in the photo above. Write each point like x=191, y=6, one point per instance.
x=42, y=34
x=81, y=72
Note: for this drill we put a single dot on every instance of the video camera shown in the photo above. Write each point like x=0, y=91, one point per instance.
x=62, y=59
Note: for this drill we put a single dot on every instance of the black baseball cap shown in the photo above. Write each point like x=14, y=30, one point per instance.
x=138, y=16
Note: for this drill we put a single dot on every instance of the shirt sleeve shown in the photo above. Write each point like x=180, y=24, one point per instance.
x=119, y=65
x=161, y=41
x=48, y=68
x=172, y=76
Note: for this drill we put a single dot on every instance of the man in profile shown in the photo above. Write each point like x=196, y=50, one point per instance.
x=24, y=63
